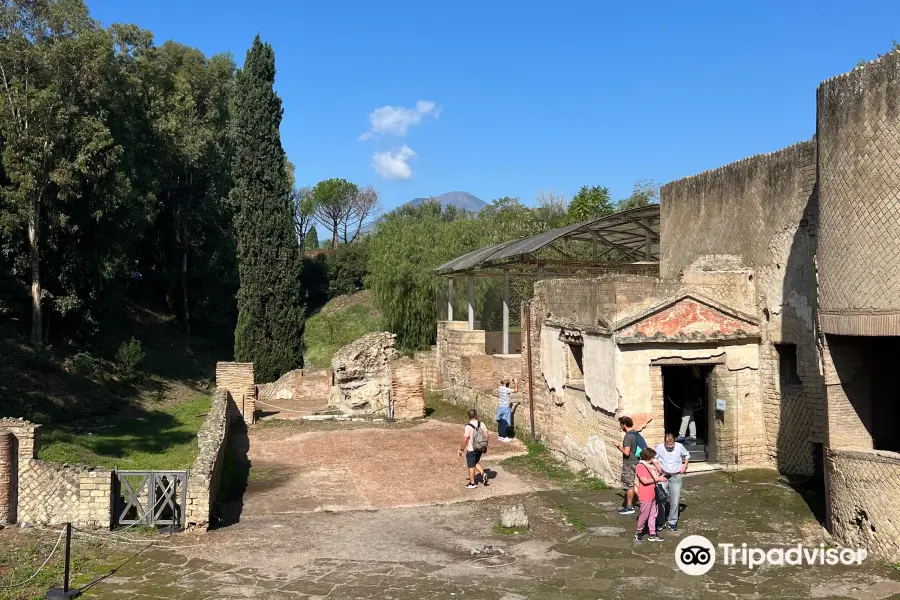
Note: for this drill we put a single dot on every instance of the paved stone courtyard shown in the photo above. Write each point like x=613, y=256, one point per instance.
x=295, y=544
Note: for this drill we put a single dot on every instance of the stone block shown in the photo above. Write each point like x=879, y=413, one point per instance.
x=514, y=516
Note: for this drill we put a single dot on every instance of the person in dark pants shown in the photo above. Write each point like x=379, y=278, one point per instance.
x=474, y=432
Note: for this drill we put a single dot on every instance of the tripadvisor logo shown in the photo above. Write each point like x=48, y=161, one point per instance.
x=696, y=555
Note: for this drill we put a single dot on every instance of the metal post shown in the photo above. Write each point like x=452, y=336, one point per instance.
x=471, y=302
x=449, y=298
x=68, y=556
x=648, y=242
x=530, y=376
x=505, y=311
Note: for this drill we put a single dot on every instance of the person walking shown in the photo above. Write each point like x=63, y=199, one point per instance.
x=688, y=422
x=504, y=411
x=474, y=444
x=673, y=459
x=647, y=477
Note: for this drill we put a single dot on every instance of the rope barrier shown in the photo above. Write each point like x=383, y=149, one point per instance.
x=21, y=583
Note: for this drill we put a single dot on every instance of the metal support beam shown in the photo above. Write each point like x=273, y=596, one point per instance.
x=648, y=242
x=505, y=311
x=449, y=298
x=471, y=302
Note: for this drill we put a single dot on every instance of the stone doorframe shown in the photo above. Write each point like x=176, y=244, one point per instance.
x=656, y=428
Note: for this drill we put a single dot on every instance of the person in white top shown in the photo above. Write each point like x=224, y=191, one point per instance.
x=504, y=409
x=474, y=444
x=673, y=459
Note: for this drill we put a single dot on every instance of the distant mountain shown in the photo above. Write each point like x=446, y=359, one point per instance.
x=461, y=200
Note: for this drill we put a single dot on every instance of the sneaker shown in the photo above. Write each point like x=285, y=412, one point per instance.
x=654, y=538
x=485, y=479
x=673, y=527
x=626, y=510
x=639, y=538
x=471, y=486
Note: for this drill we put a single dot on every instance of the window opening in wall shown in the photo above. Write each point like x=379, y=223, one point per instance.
x=787, y=365
x=575, y=365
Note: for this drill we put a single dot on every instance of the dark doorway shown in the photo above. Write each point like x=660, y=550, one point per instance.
x=682, y=386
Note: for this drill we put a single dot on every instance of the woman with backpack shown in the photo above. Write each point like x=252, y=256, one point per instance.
x=646, y=476
x=474, y=444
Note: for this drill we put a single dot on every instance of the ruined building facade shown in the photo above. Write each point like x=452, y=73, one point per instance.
x=777, y=299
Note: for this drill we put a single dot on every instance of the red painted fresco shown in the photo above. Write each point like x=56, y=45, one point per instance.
x=687, y=317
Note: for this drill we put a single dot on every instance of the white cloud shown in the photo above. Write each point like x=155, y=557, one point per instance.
x=394, y=164
x=396, y=120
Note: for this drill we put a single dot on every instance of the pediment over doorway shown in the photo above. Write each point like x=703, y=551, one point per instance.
x=688, y=318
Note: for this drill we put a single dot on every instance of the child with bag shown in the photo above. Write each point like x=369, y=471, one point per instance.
x=645, y=480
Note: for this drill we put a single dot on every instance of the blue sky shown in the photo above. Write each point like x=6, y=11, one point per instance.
x=531, y=95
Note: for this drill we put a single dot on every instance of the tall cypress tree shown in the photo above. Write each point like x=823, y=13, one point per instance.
x=270, y=300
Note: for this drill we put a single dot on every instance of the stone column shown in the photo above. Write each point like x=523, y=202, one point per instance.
x=505, y=311
x=471, y=279
x=449, y=298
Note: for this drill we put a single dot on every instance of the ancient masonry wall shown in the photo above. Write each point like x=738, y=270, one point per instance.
x=206, y=471
x=763, y=211
x=862, y=506
x=238, y=379
x=407, y=389
x=428, y=361
x=43, y=493
x=858, y=124
x=307, y=388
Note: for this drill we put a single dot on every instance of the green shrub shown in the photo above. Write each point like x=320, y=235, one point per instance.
x=129, y=360
x=84, y=365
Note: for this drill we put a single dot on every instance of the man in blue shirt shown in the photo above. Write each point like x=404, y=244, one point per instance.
x=673, y=459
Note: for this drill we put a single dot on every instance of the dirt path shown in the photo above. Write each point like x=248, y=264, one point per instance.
x=367, y=468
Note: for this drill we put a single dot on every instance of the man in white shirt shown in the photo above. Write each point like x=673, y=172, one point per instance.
x=673, y=459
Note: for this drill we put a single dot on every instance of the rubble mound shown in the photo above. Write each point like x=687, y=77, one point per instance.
x=362, y=375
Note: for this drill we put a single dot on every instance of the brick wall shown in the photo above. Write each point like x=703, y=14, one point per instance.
x=206, y=471
x=52, y=494
x=428, y=361
x=858, y=125
x=407, y=389
x=306, y=389
x=493, y=342
x=477, y=372
x=7, y=474
x=862, y=508
x=238, y=379
x=848, y=378
x=763, y=212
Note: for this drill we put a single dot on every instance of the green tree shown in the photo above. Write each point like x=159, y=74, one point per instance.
x=63, y=193
x=311, y=239
x=270, y=300
x=645, y=192
x=332, y=201
x=590, y=203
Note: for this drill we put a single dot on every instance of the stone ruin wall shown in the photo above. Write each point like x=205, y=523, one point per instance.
x=763, y=211
x=44, y=493
x=238, y=379
x=863, y=488
x=206, y=472
x=858, y=124
x=307, y=389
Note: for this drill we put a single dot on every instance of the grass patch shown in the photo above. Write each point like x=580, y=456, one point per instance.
x=540, y=461
x=22, y=552
x=895, y=566
x=571, y=518
x=498, y=528
x=141, y=437
x=439, y=409
x=341, y=321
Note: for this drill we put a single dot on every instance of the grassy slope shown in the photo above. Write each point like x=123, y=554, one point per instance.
x=96, y=420
x=341, y=321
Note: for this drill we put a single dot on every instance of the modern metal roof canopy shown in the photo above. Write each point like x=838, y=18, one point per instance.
x=632, y=234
